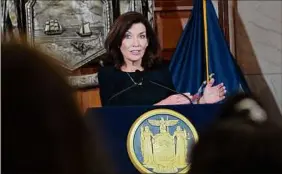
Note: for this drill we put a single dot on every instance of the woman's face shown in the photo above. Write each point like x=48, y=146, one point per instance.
x=134, y=43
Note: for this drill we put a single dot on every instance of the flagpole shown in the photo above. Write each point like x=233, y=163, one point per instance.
x=206, y=38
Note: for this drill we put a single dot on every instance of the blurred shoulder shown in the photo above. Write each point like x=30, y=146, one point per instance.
x=161, y=67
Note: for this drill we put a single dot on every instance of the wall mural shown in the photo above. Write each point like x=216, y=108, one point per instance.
x=71, y=31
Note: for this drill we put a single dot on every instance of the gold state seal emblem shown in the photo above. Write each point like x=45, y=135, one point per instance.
x=160, y=141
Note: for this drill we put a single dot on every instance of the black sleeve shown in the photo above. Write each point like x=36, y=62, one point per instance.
x=170, y=81
x=105, y=77
x=168, y=77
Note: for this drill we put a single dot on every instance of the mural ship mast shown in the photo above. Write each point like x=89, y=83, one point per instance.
x=84, y=30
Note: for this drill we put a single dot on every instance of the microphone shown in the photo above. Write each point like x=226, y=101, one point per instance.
x=165, y=87
x=121, y=92
x=137, y=82
x=139, y=77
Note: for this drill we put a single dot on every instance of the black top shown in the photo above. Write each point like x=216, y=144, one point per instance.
x=117, y=89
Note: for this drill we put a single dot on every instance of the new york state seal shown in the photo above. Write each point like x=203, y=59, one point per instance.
x=160, y=141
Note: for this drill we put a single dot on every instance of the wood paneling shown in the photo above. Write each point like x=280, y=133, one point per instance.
x=87, y=97
x=170, y=26
x=170, y=19
x=223, y=15
x=170, y=4
x=90, y=98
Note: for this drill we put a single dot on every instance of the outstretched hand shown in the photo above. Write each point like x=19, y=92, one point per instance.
x=213, y=94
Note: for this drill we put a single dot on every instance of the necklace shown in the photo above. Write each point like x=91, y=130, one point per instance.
x=135, y=83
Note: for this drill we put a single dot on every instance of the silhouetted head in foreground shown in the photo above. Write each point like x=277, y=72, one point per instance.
x=242, y=140
x=42, y=128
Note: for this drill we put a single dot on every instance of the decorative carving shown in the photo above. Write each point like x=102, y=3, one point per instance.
x=84, y=30
x=84, y=81
x=59, y=28
x=146, y=7
x=53, y=27
x=81, y=46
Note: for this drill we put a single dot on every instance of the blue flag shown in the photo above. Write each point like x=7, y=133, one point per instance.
x=201, y=51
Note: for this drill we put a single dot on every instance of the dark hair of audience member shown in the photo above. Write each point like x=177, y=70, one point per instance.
x=42, y=128
x=242, y=140
x=114, y=39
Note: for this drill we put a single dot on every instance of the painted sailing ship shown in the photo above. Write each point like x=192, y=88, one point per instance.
x=84, y=30
x=53, y=27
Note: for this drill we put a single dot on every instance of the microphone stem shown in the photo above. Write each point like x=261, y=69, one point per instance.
x=173, y=91
x=122, y=92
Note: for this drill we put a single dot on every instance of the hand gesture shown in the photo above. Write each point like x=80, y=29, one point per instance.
x=213, y=94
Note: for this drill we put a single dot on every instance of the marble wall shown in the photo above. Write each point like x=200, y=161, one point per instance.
x=258, y=37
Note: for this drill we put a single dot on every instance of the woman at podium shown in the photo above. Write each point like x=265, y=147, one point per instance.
x=134, y=73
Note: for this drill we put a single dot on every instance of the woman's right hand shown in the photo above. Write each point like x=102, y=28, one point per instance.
x=176, y=99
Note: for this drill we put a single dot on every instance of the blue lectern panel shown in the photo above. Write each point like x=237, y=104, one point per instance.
x=116, y=122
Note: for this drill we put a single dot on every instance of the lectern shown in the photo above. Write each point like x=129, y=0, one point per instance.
x=156, y=139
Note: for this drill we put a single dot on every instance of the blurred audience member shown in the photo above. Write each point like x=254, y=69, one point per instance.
x=243, y=140
x=42, y=128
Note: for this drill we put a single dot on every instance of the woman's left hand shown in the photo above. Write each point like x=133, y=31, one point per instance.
x=213, y=94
